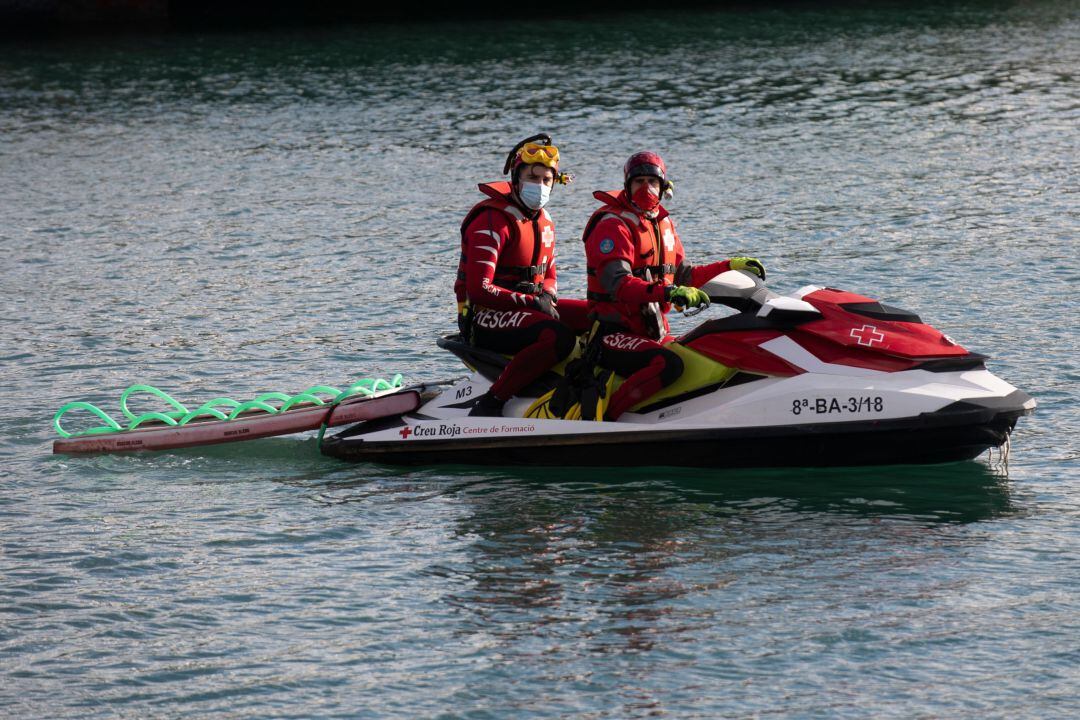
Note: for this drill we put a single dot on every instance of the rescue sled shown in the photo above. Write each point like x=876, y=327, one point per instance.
x=268, y=415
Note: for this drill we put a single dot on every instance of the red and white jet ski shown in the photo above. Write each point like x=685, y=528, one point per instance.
x=821, y=377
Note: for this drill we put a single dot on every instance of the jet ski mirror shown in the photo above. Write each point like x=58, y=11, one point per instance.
x=739, y=289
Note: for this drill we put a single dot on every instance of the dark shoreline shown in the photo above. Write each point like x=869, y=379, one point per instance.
x=31, y=19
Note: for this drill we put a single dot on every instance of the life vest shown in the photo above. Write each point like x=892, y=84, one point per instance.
x=524, y=258
x=655, y=246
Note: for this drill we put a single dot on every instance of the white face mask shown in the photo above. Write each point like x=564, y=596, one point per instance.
x=534, y=195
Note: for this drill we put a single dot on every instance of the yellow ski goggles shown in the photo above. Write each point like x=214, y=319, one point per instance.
x=547, y=155
x=530, y=152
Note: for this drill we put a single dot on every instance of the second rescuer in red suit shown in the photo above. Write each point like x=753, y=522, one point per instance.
x=507, y=288
x=636, y=270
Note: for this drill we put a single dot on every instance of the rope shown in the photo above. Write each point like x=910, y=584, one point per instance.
x=179, y=415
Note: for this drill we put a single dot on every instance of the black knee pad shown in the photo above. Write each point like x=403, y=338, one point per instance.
x=673, y=367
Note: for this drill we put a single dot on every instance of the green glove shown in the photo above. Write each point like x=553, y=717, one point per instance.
x=748, y=263
x=684, y=296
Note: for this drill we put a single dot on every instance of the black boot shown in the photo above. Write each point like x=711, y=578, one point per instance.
x=487, y=405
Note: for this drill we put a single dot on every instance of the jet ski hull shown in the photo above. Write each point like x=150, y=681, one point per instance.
x=822, y=377
x=958, y=431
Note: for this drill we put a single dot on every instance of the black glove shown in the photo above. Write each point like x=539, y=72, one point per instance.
x=546, y=302
x=464, y=320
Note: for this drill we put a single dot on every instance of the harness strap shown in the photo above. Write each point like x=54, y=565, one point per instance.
x=527, y=272
x=665, y=269
x=529, y=288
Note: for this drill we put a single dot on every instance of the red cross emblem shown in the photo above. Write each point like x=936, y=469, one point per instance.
x=868, y=335
x=669, y=240
x=547, y=237
x=405, y=432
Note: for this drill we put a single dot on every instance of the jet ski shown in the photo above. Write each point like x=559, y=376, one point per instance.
x=819, y=377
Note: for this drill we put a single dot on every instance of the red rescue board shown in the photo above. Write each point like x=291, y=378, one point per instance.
x=249, y=426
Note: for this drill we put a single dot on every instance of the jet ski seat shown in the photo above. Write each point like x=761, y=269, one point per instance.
x=490, y=364
x=487, y=362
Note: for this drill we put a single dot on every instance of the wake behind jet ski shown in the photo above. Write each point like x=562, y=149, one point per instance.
x=821, y=377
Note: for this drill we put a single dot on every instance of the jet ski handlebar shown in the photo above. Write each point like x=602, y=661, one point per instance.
x=738, y=289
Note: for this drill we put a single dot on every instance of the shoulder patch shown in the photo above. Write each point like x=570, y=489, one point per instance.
x=607, y=245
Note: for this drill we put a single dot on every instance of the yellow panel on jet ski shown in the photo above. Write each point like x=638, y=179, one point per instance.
x=698, y=372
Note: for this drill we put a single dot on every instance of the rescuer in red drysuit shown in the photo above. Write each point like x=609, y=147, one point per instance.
x=636, y=271
x=506, y=286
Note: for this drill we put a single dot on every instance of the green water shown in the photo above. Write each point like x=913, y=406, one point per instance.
x=227, y=214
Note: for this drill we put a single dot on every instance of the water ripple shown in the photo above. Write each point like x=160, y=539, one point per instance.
x=230, y=214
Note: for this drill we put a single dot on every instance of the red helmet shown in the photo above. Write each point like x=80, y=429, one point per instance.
x=649, y=164
x=644, y=163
